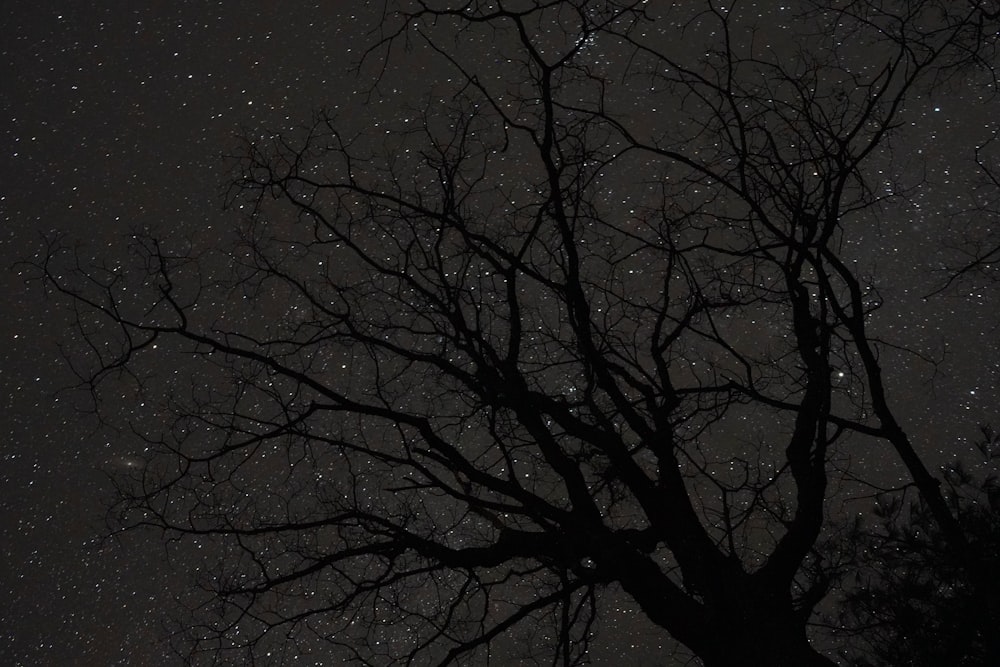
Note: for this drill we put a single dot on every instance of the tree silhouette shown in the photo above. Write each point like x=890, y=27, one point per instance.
x=589, y=317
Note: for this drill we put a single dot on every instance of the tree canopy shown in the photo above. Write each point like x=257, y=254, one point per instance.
x=591, y=315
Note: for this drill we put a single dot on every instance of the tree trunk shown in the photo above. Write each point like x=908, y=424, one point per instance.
x=740, y=649
x=744, y=621
x=756, y=632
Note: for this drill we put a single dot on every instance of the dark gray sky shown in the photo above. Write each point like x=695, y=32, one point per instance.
x=114, y=116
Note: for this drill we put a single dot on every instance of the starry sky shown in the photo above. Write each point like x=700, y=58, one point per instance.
x=115, y=116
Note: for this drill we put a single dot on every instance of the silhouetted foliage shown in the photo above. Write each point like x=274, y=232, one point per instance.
x=590, y=315
x=915, y=600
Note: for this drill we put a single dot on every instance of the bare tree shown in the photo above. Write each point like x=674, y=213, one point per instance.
x=588, y=318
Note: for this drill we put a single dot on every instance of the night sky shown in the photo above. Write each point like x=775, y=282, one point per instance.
x=116, y=117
